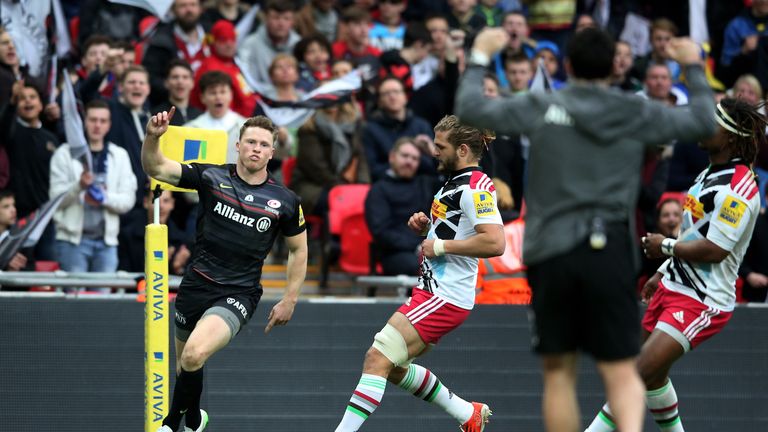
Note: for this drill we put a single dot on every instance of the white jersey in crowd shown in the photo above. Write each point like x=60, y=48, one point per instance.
x=722, y=206
x=467, y=199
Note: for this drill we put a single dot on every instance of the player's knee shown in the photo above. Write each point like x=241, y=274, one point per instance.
x=650, y=374
x=193, y=358
x=391, y=344
x=375, y=362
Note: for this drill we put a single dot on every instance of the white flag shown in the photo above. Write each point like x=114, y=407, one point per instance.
x=244, y=26
x=296, y=113
x=541, y=81
x=25, y=23
x=158, y=8
x=73, y=124
x=63, y=43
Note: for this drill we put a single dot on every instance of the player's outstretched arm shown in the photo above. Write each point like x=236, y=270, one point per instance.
x=488, y=242
x=701, y=250
x=155, y=164
x=296, y=272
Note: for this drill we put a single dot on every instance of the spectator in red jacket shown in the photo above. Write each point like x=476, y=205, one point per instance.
x=223, y=59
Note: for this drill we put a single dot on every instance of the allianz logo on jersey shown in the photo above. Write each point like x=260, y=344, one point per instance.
x=230, y=213
x=558, y=115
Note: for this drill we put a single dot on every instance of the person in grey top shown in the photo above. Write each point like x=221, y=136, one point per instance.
x=587, y=145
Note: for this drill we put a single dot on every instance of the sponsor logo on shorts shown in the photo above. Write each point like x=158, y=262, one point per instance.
x=263, y=224
x=732, y=211
x=181, y=318
x=484, y=205
x=237, y=305
x=679, y=316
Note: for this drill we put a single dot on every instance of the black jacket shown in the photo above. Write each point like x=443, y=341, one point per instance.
x=389, y=204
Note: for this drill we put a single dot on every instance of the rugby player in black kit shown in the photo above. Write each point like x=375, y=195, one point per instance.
x=242, y=208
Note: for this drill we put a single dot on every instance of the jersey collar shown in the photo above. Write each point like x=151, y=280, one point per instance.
x=457, y=173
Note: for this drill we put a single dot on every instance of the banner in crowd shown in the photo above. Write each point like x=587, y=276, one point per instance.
x=186, y=144
x=296, y=113
x=158, y=8
x=245, y=25
x=25, y=22
x=541, y=80
x=73, y=124
x=27, y=231
x=63, y=43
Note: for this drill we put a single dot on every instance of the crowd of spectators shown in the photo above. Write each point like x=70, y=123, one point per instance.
x=127, y=64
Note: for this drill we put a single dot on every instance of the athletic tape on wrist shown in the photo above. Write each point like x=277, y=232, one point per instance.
x=439, y=247
x=668, y=246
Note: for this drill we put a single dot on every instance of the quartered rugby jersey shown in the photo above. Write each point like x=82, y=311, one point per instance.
x=467, y=199
x=237, y=223
x=722, y=206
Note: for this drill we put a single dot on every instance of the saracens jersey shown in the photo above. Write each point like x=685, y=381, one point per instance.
x=237, y=223
x=722, y=206
x=467, y=199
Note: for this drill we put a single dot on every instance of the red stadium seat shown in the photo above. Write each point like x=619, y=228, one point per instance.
x=355, y=245
x=45, y=266
x=345, y=201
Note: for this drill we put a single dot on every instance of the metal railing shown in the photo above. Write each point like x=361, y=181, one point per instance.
x=61, y=279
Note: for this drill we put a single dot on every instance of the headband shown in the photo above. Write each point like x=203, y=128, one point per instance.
x=727, y=122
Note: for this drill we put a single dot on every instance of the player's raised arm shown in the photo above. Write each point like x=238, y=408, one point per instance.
x=155, y=164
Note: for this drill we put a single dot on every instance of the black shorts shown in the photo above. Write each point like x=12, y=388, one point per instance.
x=197, y=297
x=585, y=299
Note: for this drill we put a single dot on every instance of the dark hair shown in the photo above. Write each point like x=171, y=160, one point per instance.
x=34, y=86
x=355, y=14
x=96, y=104
x=416, y=31
x=492, y=76
x=279, y=6
x=302, y=46
x=131, y=69
x=214, y=78
x=5, y=193
x=179, y=63
x=653, y=64
x=590, y=53
x=434, y=15
x=459, y=134
x=518, y=57
x=514, y=12
x=747, y=118
x=124, y=45
x=389, y=78
x=263, y=122
x=95, y=39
